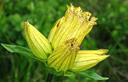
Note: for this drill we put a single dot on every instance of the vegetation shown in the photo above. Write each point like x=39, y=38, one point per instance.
x=111, y=32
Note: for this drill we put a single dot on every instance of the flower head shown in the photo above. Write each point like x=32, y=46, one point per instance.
x=75, y=24
x=64, y=40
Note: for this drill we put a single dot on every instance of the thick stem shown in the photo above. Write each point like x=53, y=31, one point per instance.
x=49, y=78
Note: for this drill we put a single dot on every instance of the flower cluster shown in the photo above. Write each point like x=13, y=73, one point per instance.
x=61, y=50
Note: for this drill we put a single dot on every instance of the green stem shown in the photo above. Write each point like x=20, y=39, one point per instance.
x=49, y=77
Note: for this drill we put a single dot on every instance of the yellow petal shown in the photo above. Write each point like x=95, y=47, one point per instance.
x=55, y=29
x=63, y=57
x=75, y=24
x=37, y=42
x=88, y=58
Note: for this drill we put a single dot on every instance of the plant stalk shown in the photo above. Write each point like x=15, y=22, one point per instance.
x=49, y=77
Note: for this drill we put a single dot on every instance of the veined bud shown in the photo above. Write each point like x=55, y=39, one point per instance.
x=64, y=56
x=88, y=58
x=37, y=42
x=75, y=24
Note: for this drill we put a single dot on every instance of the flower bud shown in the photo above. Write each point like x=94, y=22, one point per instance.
x=88, y=58
x=37, y=42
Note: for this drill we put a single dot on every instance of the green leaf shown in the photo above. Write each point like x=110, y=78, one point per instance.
x=93, y=75
x=18, y=49
x=69, y=74
x=71, y=77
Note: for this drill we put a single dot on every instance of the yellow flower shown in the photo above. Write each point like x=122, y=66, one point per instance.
x=65, y=38
x=75, y=24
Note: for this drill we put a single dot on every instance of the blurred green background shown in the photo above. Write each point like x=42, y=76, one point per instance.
x=111, y=32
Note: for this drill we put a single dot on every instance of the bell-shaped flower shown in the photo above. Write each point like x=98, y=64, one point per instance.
x=75, y=24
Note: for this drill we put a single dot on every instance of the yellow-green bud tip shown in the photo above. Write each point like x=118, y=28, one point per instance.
x=37, y=42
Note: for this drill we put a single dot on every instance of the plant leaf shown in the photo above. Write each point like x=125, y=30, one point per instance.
x=93, y=75
x=18, y=49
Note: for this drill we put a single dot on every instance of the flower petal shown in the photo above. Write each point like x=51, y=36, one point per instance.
x=63, y=57
x=88, y=58
x=36, y=41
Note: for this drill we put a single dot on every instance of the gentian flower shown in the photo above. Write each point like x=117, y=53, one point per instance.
x=61, y=50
